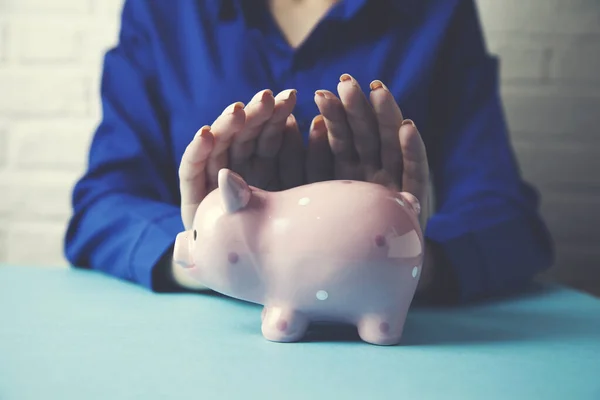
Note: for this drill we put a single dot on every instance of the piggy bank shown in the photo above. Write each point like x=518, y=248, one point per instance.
x=335, y=251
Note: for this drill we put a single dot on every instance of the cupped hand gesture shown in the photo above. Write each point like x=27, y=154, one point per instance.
x=366, y=139
x=260, y=141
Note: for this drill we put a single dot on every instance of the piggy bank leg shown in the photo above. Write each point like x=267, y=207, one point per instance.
x=280, y=324
x=383, y=329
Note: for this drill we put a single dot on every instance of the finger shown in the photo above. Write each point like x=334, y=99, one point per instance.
x=415, y=177
x=338, y=129
x=389, y=119
x=291, y=155
x=319, y=158
x=382, y=177
x=258, y=111
x=362, y=121
x=270, y=139
x=225, y=127
x=192, y=174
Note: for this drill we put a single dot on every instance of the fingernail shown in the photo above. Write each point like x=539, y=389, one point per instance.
x=289, y=93
x=377, y=85
x=346, y=77
x=234, y=107
x=318, y=123
x=409, y=122
x=203, y=132
x=266, y=93
x=323, y=94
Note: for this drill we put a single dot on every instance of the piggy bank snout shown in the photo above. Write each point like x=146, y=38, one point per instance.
x=182, y=252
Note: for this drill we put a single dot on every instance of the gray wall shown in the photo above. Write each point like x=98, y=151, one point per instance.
x=550, y=63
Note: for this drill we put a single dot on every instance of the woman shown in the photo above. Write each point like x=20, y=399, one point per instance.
x=301, y=66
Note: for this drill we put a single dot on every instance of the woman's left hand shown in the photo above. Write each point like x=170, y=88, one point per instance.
x=355, y=138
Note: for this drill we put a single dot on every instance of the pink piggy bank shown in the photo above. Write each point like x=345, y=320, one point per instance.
x=335, y=251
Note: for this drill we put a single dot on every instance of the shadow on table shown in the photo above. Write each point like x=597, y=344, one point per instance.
x=498, y=326
x=492, y=321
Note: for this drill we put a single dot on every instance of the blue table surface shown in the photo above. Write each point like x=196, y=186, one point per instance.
x=72, y=334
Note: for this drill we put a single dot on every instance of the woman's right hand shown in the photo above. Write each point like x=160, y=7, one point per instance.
x=259, y=141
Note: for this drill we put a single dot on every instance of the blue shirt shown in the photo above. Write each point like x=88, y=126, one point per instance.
x=178, y=64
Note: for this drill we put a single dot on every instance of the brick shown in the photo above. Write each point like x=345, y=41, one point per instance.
x=3, y=43
x=3, y=146
x=98, y=39
x=558, y=165
x=551, y=16
x=39, y=94
x=554, y=117
x=523, y=56
x=45, y=6
x=519, y=63
x=110, y=8
x=52, y=144
x=36, y=243
x=3, y=246
x=579, y=62
x=551, y=88
x=46, y=41
x=33, y=197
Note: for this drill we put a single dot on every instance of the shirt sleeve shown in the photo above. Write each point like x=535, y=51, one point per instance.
x=125, y=206
x=486, y=230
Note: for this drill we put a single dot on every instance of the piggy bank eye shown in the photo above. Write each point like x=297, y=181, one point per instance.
x=195, y=234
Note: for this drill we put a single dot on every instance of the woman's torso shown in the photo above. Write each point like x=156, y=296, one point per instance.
x=209, y=55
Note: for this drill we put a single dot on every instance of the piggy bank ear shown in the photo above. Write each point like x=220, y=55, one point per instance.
x=235, y=192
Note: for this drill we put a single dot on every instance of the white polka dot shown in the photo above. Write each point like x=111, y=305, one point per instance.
x=415, y=272
x=303, y=201
x=322, y=295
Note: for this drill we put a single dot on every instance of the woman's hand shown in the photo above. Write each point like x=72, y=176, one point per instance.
x=369, y=140
x=355, y=138
x=260, y=141
x=252, y=141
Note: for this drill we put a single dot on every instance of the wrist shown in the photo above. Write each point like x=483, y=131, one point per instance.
x=180, y=278
x=169, y=276
x=437, y=284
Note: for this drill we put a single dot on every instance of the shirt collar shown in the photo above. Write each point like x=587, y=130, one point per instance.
x=351, y=7
x=228, y=9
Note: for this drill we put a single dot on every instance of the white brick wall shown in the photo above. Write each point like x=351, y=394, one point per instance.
x=550, y=60
x=3, y=43
x=3, y=145
x=47, y=236
x=48, y=42
x=50, y=63
x=57, y=7
x=49, y=94
x=50, y=58
x=540, y=16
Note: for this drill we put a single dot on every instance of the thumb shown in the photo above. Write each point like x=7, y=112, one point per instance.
x=192, y=174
